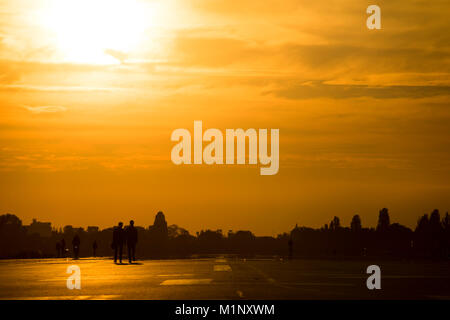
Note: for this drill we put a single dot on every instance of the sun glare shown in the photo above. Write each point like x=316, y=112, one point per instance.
x=97, y=31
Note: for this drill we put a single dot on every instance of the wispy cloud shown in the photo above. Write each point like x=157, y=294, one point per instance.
x=45, y=109
x=322, y=90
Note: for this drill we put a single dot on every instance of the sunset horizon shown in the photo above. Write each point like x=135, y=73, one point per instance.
x=279, y=149
x=88, y=111
x=151, y=216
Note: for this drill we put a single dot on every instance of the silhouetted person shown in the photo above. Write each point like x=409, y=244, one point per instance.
x=63, y=248
x=58, y=249
x=94, y=248
x=118, y=241
x=76, y=246
x=131, y=235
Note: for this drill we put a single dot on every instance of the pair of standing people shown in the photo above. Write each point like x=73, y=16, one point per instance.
x=123, y=236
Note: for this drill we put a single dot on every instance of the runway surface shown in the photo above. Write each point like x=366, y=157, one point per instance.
x=222, y=278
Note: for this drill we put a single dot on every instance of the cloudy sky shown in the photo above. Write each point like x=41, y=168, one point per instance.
x=90, y=92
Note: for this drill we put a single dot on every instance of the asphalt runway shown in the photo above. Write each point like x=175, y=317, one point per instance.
x=222, y=278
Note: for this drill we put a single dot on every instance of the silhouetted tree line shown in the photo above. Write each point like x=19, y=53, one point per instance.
x=430, y=239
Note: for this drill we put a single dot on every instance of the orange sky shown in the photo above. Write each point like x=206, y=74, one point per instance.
x=90, y=92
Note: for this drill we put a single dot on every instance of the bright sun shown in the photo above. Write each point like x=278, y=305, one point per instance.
x=97, y=31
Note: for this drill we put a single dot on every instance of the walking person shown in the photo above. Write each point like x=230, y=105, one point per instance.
x=118, y=241
x=131, y=235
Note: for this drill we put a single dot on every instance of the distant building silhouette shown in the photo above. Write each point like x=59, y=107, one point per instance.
x=68, y=230
x=44, y=229
x=159, y=235
x=430, y=239
x=160, y=225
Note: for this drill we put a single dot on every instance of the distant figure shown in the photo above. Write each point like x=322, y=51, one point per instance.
x=58, y=249
x=131, y=234
x=63, y=248
x=94, y=248
x=118, y=241
x=76, y=246
x=291, y=247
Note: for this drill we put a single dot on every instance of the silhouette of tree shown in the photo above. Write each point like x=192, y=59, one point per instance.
x=210, y=241
x=422, y=234
x=436, y=235
x=435, y=221
x=446, y=227
x=355, y=225
x=446, y=222
x=12, y=235
x=10, y=221
x=335, y=223
x=383, y=220
x=422, y=224
x=241, y=241
x=431, y=239
x=242, y=236
x=10, y=224
x=174, y=231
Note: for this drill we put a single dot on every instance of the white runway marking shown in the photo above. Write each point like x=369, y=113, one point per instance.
x=176, y=275
x=97, y=277
x=222, y=267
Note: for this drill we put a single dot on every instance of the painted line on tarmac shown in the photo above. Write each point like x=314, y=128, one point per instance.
x=176, y=275
x=184, y=282
x=222, y=267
